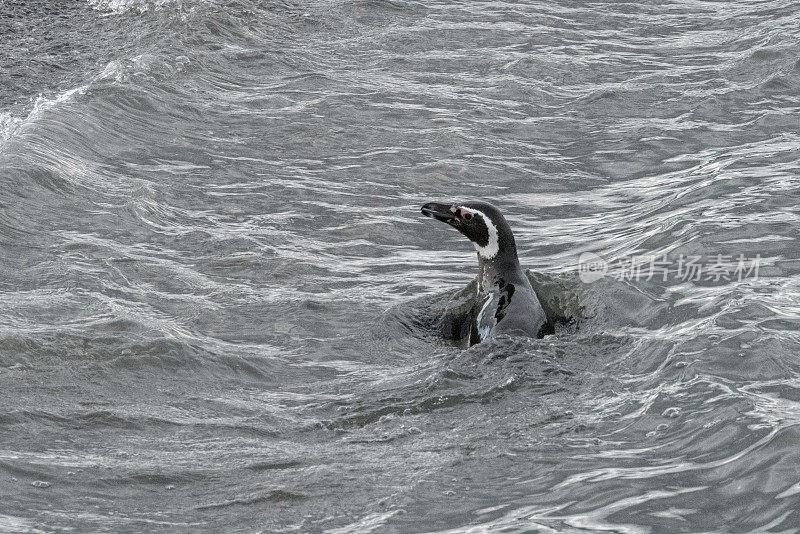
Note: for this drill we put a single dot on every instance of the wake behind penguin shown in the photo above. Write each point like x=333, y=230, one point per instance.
x=506, y=302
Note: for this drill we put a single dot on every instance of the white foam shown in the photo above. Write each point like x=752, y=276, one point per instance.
x=10, y=125
x=120, y=7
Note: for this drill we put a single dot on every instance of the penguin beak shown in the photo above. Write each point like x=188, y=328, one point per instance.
x=440, y=212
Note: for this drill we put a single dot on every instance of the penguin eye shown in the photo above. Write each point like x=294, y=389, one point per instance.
x=468, y=216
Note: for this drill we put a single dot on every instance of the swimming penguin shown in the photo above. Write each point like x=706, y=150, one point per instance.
x=506, y=302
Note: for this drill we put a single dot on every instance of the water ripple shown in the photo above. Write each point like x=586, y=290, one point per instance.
x=218, y=293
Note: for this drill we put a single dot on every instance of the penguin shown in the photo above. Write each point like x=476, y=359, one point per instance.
x=506, y=302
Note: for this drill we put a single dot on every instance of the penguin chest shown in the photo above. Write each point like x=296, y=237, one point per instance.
x=492, y=306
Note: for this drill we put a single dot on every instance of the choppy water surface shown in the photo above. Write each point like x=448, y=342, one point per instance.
x=215, y=281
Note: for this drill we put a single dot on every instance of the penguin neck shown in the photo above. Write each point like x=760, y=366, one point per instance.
x=503, y=267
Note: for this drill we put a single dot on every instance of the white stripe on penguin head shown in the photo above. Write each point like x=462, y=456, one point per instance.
x=493, y=246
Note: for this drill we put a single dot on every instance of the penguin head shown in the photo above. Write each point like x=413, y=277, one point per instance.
x=480, y=222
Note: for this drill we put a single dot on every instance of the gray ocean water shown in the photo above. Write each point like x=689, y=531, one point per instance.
x=216, y=287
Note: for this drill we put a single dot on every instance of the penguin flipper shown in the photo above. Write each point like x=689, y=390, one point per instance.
x=456, y=325
x=457, y=319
